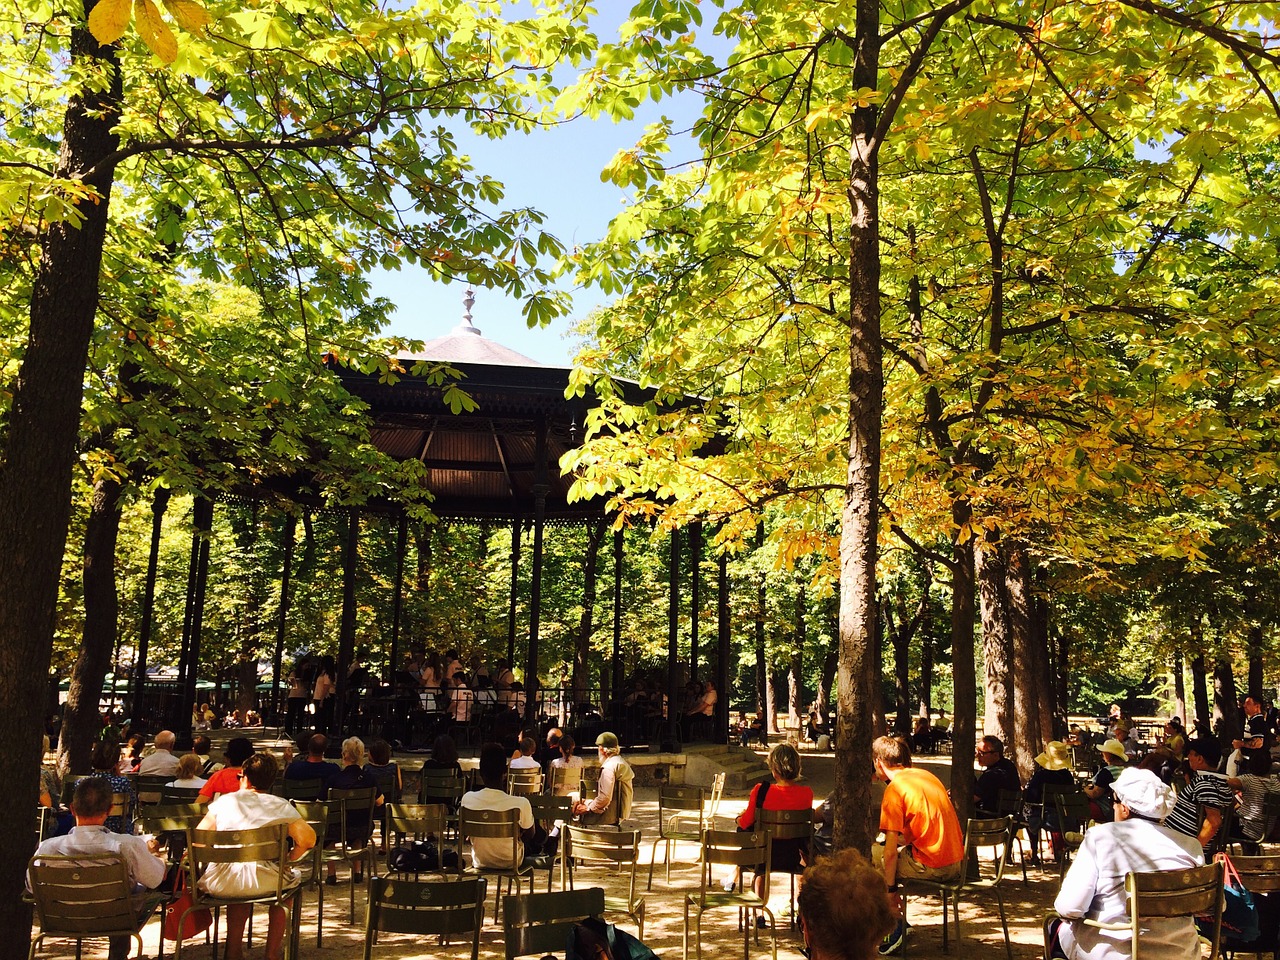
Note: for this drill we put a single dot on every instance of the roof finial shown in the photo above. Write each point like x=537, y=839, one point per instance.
x=468, y=302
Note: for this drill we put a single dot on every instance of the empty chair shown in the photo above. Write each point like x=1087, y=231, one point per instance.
x=680, y=817
x=1261, y=877
x=739, y=850
x=539, y=923
x=425, y=908
x=299, y=789
x=614, y=850
x=789, y=832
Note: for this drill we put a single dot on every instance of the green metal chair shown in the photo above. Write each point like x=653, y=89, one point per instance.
x=675, y=803
x=539, y=923
x=425, y=908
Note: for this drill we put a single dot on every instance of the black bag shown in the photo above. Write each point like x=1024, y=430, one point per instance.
x=416, y=857
x=760, y=795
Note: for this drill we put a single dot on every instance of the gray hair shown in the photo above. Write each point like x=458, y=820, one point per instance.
x=352, y=750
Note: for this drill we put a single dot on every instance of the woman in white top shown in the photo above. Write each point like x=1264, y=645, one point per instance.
x=248, y=808
x=189, y=767
x=567, y=760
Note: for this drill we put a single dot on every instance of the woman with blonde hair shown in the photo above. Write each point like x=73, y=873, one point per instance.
x=786, y=856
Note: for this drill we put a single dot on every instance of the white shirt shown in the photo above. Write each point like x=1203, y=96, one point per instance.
x=1094, y=888
x=562, y=763
x=524, y=763
x=495, y=852
x=189, y=782
x=146, y=870
x=460, y=702
x=246, y=810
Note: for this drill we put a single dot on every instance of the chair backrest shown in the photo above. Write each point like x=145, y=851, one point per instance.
x=674, y=799
x=149, y=786
x=733, y=848
x=348, y=805
x=386, y=782
x=1072, y=808
x=786, y=824
x=524, y=783
x=298, y=789
x=1009, y=803
x=430, y=907
x=441, y=786
x=547, y=808
x=1259, y=874
x=162, y=818
x=563, y=780
x=316, y=814
x=179, y=795
x=616, y=849
x=539, y=923
x=490, y=825
x=82, y=896
x=262, y=844
x=1221, y=836
x=1191, y=892
x=717, y=791
x=120, y=803
x=417, y=819
x=992, y=832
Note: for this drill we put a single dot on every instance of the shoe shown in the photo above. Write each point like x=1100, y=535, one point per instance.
x=894, y=941
x=331, y=881
x=728, y=885
x=761, y=924
x=359, y=876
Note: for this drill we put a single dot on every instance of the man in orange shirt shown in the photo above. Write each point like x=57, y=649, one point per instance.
x=922, y=834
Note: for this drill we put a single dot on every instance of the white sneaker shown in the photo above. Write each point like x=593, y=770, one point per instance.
x=728, y=884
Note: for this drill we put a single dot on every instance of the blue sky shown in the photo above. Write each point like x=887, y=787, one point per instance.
x=556, y=171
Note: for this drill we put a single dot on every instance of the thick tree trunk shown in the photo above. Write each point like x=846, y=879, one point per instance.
x=82, y=721
x=900, y=637
x=996, y=651
x=582, y=646
x=1052, y=706
x=822, y=699
x=39, y=451
x=770, y=700
x=926, y=656
x=963, y=670
x=1227, y=724
x=1028, y=732
x=1255, y=660
x=1199, y=675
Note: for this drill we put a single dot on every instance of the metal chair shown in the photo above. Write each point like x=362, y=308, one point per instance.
x=524, y=783
x=85, y=897
x=1261, y=877
x=1072, y=808
x=673, y=802
x=207, y=848
x=424, y=908
x=354, y=850
x=416, y=820
x=739, y=850
x=316, y=814
x=495, y=825
x=788, y=826
x=539, y=923
x=172, y=795
x=298, y=789
x=1009, y=804
x=616, y=851
x=169, y=822
x=150, y=787
x=996, y=832
x=1193, y=892
x=563, y=781
x=548, y=811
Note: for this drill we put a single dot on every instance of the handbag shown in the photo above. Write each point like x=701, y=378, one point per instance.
x=1240, y=913
x=175, y=925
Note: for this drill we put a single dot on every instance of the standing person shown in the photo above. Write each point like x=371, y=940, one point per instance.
x=998, y=773
x=90, y=805
x=612, y=802
x=1206, y=789
x=1254, y=739
x=228, y=780
x=160, y=762
x=105, y=761
x=322, y=693
x=1135, y=842
x=1053, y=768
x=296, y=705
x=844, y=910
x=461, y=700
x=250, y=807
x=922, y=834
x=495, y=852
x=786, y=856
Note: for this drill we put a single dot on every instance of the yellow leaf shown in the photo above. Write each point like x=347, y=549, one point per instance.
x=108, y=20
x=155, y=32
x=190, y=16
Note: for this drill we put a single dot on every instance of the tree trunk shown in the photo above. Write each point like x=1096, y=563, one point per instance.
x=770, y=700
x=1255, y=661
x=582, y=648
x=1052, y=704
x=822, y=699
x=926, y=655
x=900, y=637
x=764, y=695
x=39, y=451
x=82, y=721
x=1199, y=673
x=996, y=654
x=1179, y=689
x=795, y=683
x=1227, y=723
x=963, y=669
x=1028, y=733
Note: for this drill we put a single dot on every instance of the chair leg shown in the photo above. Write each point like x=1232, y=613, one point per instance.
x=1004, y=923
x=944, y=922
x=653, y=857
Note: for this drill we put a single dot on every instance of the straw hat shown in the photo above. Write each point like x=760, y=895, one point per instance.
x=1115, y=748
x=1056, y=756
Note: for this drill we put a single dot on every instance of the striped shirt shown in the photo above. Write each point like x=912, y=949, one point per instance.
x=1210, y=789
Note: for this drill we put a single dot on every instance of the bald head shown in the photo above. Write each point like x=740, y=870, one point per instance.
x=165, y=740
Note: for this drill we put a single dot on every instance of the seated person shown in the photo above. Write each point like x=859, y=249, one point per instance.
x=359, y=824
x=189, y=766
x=753, y=730
x=251, y=807
x=524, y=758
x=1255, y=786
x=1094, y=887
x=495, y=852
x=1205, y=788
x=998, y=773
x=1098, y=790
x=786, y=856
x=844, y=911
x=381, y=765
x=1053, y=768
x=614, y=790
x=90, y=805
x=314, y=766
